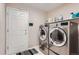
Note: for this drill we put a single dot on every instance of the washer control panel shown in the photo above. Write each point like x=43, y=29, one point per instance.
x=62, y=24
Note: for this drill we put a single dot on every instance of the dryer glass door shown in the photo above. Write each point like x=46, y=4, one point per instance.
x=58, y=36
x=43, y=33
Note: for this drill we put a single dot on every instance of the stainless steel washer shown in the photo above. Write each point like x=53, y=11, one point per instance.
x=63, y=38
x=43, y=39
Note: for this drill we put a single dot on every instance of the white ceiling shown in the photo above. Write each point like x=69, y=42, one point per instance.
x=42, y=6
x=45, y=6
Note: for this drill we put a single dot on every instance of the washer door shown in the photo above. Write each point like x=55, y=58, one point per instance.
x=58, y=36
x=43, y=33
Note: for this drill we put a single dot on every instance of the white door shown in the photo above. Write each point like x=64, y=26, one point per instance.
x=16, y=30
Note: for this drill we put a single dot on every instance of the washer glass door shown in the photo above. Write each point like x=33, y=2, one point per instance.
x=43, y=33
x=57, y=36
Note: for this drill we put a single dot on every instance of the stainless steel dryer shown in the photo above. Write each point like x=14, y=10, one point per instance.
x=63, y=38
x=43, y=39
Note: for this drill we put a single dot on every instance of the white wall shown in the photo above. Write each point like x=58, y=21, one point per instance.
x=36, y=16
x=2, y=28
x=64, y=10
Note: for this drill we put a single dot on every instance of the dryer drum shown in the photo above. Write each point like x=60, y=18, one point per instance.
x=58, y=37
x=43, y=33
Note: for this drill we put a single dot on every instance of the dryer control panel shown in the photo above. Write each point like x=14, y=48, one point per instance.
x=59, y=24
x=64, y=23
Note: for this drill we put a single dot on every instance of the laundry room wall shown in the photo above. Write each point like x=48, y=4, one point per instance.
x=37, y=17
x=64, y=10
x=2, y=28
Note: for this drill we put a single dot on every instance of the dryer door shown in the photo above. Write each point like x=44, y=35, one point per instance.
x=57, y=36
x=43, y=33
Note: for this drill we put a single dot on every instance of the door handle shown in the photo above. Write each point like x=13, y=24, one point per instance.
x=7, y=47
x=7, y=30
x=25, y=32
